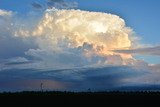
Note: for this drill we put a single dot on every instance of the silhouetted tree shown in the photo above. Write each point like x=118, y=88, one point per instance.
x=41, y=87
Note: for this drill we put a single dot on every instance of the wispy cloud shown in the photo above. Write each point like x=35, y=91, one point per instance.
x=61, y=4
x=37, y=5
x=142, y=51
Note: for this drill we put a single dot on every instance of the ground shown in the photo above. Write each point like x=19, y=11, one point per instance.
x=89, y=99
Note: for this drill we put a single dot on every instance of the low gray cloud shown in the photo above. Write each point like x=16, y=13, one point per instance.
x=142, y=51
x=16, y=61
x=77, y=79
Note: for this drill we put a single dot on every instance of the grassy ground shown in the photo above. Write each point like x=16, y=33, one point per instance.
x=89, y=99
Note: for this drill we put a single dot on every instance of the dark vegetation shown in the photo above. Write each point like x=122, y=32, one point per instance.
x=75, y=99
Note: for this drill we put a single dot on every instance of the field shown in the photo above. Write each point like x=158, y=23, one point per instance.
x=74, y=99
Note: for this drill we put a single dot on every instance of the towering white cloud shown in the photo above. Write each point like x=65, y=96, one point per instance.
x=80, y=35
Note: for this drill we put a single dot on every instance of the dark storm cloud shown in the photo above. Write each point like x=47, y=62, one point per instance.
x=105, y=78
x=79, y=79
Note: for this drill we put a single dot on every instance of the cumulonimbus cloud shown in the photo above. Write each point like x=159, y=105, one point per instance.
x=89, y=36
x=71, y=38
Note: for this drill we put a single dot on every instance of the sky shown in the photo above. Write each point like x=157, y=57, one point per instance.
x=76, y=44
x=140, y=15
